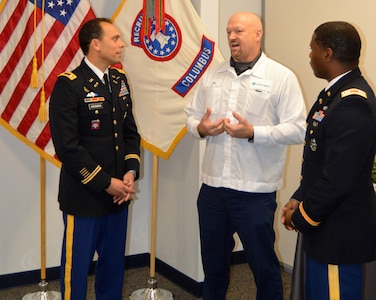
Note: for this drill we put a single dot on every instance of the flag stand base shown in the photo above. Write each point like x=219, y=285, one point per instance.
x=151, y=292
x=43, y=294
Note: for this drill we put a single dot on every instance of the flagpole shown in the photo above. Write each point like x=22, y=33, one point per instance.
x=152, y=292
x=43, y=293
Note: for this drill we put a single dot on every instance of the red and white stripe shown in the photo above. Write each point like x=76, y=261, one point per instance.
x=19, y=103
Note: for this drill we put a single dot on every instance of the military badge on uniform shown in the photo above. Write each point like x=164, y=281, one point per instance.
x=318, y=115
x=95, y=106
x=123, y=89
x=93, y=97
x=115, y=79
x=95, y=124
x=91, y=94
x=313, y=144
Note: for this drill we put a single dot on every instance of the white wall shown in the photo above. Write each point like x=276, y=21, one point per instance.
x=288, y=33
x=20, y=206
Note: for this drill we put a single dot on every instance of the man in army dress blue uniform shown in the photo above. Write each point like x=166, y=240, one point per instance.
x=334, y=207
x=96, y=139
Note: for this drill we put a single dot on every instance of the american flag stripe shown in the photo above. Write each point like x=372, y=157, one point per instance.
x=18, y=35
x=19, y=104
x=10, y=26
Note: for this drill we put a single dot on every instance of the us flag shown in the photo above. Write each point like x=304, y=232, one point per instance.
x=48, y=31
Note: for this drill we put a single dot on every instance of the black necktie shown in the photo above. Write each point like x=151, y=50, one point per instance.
x=105, y=77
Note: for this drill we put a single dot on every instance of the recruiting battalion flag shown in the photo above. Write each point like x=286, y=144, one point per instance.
x=50, y=41
x=163, y=66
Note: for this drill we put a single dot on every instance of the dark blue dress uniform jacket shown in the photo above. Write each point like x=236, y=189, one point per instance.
x=337, y=213
x=95, y=137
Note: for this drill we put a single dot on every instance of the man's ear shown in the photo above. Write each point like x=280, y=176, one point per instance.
x=95, y=44
x=328, y=54
x=259, y=34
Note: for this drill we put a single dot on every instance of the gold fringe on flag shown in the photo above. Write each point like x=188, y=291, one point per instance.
x=42, y=113
x=2, y=4
x=34, y=73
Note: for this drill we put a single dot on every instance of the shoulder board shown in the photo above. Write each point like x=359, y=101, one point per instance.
x=353, y=91
x=69, y=75
x=121, y=71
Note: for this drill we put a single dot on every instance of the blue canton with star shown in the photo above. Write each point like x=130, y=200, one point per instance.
x=61, y=10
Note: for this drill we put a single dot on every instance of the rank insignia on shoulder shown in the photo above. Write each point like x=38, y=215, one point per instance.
x=353, y=91
x=121, y=71
x=69, y=75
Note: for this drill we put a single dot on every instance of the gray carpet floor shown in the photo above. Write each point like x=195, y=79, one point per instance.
x=241, y=286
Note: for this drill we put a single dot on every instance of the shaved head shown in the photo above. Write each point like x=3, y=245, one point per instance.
x=244, y=34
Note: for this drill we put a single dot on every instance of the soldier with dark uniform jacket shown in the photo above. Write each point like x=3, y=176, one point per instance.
x=96, y=139
x=334, y=207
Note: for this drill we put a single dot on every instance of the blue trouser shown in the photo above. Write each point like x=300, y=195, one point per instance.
x=222, y=212
x=83, y=236
x=333, y=282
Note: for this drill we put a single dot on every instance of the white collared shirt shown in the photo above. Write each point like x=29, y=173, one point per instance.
x=97, y=72
x=333, y=81
x=270, y=98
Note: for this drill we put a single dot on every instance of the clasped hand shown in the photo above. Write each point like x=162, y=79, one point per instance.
x=241, y=130
x=287, y=212
x=122, y=190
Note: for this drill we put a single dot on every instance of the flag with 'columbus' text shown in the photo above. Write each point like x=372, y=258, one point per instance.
x=38, y=41
x=167, y=51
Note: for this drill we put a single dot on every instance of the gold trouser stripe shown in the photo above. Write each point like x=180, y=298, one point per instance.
x=68, y=257
x=333, y=280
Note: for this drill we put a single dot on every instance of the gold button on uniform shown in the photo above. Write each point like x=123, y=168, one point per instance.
x=115, y=122
x=116, y=135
